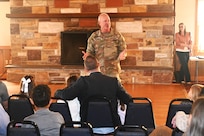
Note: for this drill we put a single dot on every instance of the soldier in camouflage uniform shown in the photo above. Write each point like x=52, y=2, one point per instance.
x=108, y=46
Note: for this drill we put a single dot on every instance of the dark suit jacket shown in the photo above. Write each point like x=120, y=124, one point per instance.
x=96, y=84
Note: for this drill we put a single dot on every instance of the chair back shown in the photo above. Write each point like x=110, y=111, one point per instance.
x=61, y=107
x=177, y=132
x=76, y=129
x=22, y=128
x=131, y=130
x=99, y=112
x=176, y=105
x=140, y=113
x=19, y=107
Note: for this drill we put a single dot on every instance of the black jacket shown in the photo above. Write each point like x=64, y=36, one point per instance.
x=96, y=84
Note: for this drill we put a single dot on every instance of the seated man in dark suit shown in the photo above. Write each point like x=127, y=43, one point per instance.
x=96, y=84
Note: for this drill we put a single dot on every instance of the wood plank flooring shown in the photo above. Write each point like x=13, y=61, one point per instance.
x=160, y=94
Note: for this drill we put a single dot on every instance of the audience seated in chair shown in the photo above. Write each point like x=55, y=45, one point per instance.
x=96, y=84
x=4, y=117
x=47, y=121
x=74, y=105
x=4, y=95
x=4, y=121
x=196, y=120
x=180, y=120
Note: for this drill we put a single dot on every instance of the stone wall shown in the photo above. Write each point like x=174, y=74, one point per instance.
x=35, y=37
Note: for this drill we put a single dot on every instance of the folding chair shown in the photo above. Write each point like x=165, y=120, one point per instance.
x=176, y=105
x=99, y=113
x=16, y=128
x=19, y=107
x=61, y=107
x=140, y=113
x=177, y=132
x=82, y=129
x=131, y=130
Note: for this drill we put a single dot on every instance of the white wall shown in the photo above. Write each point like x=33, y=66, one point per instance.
x=186, y=13
x=4, y=24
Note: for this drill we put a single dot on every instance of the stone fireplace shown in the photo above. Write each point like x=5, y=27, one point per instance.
x=72, y=45
x=36, y=30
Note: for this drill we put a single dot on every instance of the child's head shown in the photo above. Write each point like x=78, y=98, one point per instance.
x=195, y=91
x=71, y=80
x=41, y=95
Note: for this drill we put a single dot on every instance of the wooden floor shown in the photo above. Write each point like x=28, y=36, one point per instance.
x=161, y=95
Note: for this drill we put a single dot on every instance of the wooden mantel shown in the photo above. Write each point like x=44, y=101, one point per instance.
x=92, y=15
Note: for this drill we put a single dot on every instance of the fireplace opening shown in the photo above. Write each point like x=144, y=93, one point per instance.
x=72, y=45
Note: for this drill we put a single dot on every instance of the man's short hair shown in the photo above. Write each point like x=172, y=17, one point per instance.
x=91, y=63
x=71, y=80
x=41, y=95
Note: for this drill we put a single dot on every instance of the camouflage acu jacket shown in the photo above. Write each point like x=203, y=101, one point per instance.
x=106, y=48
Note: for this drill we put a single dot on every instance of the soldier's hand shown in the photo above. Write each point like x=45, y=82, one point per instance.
x=84, y=55
x=122, y=55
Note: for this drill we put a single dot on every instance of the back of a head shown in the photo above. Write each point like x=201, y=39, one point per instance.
x=196, y=127
x=91, y=63
x=41, y=95
x=195, y=91
x=71, y=80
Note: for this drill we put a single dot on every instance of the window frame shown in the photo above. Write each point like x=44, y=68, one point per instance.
x=197, y=49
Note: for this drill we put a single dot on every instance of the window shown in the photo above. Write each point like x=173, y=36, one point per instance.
x=200, y=25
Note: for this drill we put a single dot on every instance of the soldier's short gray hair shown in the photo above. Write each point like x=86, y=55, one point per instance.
x=102, y=14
